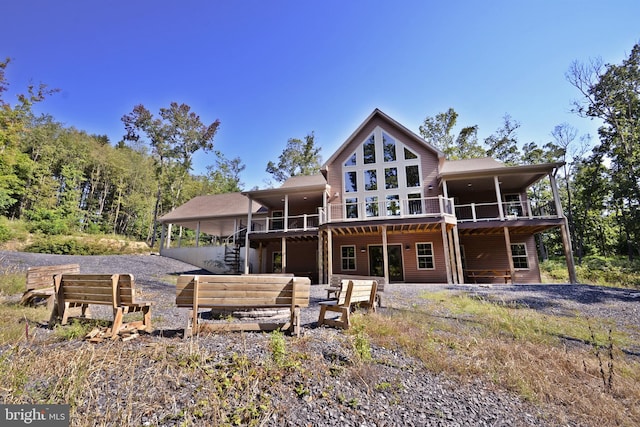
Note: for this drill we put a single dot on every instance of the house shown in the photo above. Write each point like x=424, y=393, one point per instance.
x=386, y=203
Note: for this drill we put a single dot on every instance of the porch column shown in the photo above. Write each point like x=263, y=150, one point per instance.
x=556, y=195
x=283, y=247
x=260, y=257
x=568, y=251
x=507, y=240
x=445, y=189
x=452, y=257
x=169, y=235
x=163, y=237
x=496, y=183
x=458, y=254
x=447, y=260
x=180, y=237
x=385, y=254
x=246, y=238
x=320, y=257
x=197, y=234
x=564, y=231
x=329, y=255
x=286, y=212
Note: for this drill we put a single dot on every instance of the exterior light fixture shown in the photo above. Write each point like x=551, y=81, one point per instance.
x=430, y=187
x=363, y=249
x=407, y=247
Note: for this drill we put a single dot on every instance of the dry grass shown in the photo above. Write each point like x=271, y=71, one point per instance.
x=570, y=366
x=560, y=363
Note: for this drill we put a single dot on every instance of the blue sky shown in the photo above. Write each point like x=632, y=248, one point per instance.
x=272, y=70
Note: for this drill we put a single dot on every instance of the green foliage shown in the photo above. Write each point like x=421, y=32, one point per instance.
x=597, y=270
x=6, y=233
x=298, y=158
x=438, y=132
x=79, y=245
x=48, y=222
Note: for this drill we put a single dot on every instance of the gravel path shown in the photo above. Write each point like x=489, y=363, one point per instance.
x=416, y=397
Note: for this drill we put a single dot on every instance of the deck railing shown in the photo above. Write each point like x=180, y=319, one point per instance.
x=474, y=212
x=388, y=208
x=290, y=223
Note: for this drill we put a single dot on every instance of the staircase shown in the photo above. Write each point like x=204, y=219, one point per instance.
x=232, y=247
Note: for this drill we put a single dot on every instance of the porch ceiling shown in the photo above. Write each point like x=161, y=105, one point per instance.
x=346, y=229
x=488, y=228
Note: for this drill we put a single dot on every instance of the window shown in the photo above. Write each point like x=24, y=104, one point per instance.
x=393, y=205
x=409, y=155
x=348, y=257
x=390, y=178
x=351, y=207
x=370, y=180
x=415, y=204
x=351, y=161
x=519, y=255
x=424, y=252
x=413, y=176
x=372, y=206
x=369, y=150
x=389, y=148
x=350, y=182
x=277, y=262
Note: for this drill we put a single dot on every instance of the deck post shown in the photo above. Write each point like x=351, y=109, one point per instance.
x=507, y=240
x=385, y=254
x=329, y=255
x=447, y=259
x=496, y=183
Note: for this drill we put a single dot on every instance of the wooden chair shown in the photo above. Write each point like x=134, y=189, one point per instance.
x=40, y=284
x=358, y=293
x=115, y=290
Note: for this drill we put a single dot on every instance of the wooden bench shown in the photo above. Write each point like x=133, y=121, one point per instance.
x=354, y=293
x=489, y=274
x=40, y=283
x=334, y=288
x=117, y=290
x=244, y=292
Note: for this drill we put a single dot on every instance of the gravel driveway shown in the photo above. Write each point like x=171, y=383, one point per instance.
x=425, y=399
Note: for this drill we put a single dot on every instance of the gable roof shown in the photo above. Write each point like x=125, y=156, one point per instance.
x=215, y=205
x=470, y=165
x=377, y=113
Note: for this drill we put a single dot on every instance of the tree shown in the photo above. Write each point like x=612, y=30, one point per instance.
x=438, y=132
x=503, y=144
x=174, y=137
x=611, y=93
x=298, y=158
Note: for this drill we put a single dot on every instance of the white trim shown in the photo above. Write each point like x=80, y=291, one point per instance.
x=526, y=256
x=342, y=258
x=433, y=256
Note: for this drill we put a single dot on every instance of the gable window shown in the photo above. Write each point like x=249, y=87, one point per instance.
x=390, y=178
x=350, y=182
x=409, y=155
x=424, y=252
x=369, y=150
x=372, y=206
x=519, y=255
x=348, y=257
x=351, y=161
x=351, y=207
x=382, y=177
x=415, y=203
x=389, y=148
x=370, y=180
x=412, y=176
x=393, y=205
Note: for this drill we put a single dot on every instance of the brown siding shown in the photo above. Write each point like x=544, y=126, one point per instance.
x=409, y=259
x=490, y=252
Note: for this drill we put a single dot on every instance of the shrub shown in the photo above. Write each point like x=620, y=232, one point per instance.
x=5, y=230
